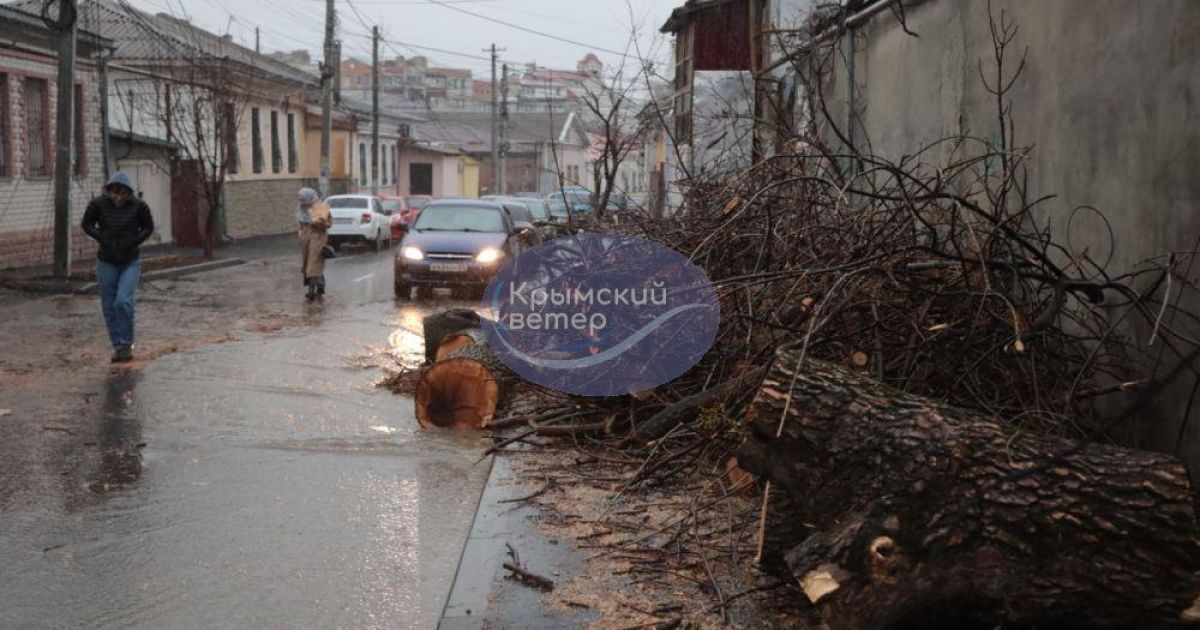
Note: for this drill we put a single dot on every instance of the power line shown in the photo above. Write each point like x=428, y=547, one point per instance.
x=443, y=3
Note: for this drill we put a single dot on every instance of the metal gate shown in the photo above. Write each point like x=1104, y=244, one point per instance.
x=187, y=203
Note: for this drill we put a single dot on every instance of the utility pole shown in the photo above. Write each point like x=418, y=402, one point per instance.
x=257, y=42
x=503, y=188
x=337, y=71
x=105, y=150
x=495, y=132
x=375, y=110
x=64, y=137
x=327, y=75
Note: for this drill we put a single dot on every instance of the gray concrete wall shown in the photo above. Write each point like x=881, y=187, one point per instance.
x=1109, y=101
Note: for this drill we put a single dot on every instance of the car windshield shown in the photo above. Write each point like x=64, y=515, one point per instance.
x=537, y=208
x=454, y=218
x=418, y=202
x=519, y=212
x=577, y=201
x=557, y=207
x=348, y=202
x=392, y=205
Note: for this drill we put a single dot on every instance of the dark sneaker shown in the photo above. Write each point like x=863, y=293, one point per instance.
x=124, y=354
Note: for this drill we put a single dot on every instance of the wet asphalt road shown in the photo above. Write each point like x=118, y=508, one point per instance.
x=258, y=482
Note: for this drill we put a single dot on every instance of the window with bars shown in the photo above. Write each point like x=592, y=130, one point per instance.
x=256, y=147
x=276, y=151
x=293, y=159
x=79, y=152
x=37, y=127
x=233, y=156
x=362, y=164
x=5, y=143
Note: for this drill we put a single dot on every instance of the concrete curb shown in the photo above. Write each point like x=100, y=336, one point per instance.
x=481, y=596
x=70, y=287
x=178, y=272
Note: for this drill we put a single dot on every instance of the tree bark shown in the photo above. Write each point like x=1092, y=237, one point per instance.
x=463, y=389
x=439, y=326
x=893, y=511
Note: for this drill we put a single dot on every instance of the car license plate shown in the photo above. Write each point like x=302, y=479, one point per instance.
x=448, y=267
x=343, y=221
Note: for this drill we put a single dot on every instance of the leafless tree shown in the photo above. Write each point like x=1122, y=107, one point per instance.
x=615, y=117
x=201, y=106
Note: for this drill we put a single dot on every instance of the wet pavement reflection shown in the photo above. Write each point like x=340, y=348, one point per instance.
x=120, y=434
x=262, y=483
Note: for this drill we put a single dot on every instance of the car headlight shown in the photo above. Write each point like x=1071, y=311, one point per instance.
x=489, y=255
x=412, y=253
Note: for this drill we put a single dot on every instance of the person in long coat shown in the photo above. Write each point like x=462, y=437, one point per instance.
x=314, y=219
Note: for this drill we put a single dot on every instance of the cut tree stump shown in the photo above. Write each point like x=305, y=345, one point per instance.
x=465, y=385
x=892, y=511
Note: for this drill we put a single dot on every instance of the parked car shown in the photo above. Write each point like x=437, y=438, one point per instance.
x=617, y=202
x=457, y=243
x=571, y=200
x=523, y=210
x=416, y=202
x=399, y=214
x=537, y=207
x=359, y=218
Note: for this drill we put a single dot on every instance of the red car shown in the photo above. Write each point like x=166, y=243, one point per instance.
x=403, y=210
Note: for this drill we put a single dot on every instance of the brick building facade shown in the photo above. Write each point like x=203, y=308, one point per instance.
x=28, y=100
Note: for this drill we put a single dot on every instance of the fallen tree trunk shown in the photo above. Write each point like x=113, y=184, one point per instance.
x=467, y=383
x=457, y=341
x=440, y=326
x=893, y=511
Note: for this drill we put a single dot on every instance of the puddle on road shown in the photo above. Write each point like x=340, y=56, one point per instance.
x=277, y=488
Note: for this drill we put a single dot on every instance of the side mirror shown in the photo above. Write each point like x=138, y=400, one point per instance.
x=521, y=227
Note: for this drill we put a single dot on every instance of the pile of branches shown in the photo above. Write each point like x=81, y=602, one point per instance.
x=939, y=282
x=936, y=274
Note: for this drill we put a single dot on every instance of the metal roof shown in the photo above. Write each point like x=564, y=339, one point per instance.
x=31, y=16
x=679, y=16
x=473, y=130
x=141, y=37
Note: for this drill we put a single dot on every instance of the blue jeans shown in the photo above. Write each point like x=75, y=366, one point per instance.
x=117, y=284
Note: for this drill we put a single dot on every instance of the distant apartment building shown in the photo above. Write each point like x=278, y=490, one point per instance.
x=548, y=89
x=299, y=59
x=415, y=81
x=412, y=83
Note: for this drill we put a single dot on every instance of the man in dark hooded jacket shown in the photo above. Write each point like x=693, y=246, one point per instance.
x=120, y=222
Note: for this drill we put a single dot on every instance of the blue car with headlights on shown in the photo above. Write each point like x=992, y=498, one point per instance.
x=459, y=244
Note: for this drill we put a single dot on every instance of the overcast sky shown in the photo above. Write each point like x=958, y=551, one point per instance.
x=295, y=24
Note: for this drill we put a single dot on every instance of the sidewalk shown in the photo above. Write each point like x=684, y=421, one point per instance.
x=160, y=261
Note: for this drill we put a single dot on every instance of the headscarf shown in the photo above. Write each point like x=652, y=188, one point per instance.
x=307, y=196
